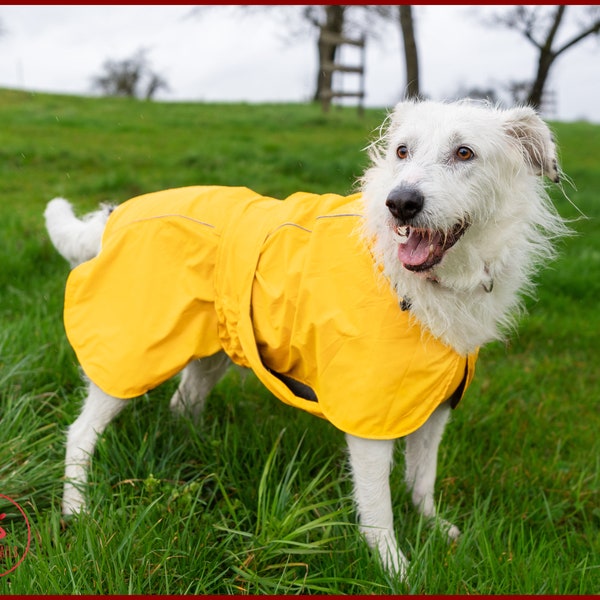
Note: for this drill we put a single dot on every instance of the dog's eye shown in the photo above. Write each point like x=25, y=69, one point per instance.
x=465, y=153
x=402, y=152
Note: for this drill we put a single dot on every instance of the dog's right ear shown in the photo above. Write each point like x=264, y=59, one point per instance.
x=536, y=141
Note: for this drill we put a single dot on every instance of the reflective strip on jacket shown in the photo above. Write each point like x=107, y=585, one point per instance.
x=288, y=288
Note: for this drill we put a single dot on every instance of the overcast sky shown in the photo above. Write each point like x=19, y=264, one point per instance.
x=221, y=55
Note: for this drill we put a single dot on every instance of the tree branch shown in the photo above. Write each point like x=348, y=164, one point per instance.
x=595, y=28
x=558, y=15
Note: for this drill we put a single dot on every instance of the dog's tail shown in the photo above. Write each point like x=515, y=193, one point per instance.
x=76, y=240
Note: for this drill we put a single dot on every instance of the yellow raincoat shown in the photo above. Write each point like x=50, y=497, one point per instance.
x=288, y=288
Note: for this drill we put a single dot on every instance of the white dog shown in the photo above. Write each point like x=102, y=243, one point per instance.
x=394, y=289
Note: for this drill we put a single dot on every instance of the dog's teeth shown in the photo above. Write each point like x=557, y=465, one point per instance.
x=401, y=232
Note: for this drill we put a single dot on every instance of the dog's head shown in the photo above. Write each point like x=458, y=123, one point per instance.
x=442, y=170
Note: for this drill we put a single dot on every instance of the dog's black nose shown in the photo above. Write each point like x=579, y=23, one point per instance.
x=405, y=202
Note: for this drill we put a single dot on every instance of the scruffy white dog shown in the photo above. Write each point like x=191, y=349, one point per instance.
x=367, y=310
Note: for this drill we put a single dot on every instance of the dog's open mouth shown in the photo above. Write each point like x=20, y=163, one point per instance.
x=425, y=248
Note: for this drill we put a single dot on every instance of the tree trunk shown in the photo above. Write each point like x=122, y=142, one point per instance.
x=536, y=92
x=410, y=51
x=334, y=23
x=545, y=61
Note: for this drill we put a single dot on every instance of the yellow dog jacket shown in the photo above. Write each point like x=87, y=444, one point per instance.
x=288, y=288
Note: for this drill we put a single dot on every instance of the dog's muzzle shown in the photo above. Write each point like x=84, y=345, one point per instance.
x=419, y=249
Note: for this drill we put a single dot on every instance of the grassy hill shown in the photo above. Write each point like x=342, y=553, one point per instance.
x=256, y=499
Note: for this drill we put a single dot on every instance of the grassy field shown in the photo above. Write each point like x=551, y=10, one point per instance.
x=257, y=498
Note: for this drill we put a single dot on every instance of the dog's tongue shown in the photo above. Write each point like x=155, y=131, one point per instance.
x=419, y=247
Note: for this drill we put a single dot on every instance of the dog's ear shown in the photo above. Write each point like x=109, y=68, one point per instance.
x=536, y=141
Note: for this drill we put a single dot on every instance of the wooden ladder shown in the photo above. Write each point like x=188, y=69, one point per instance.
x=326, y=96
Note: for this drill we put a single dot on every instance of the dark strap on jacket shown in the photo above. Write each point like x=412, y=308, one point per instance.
x=459, y=391
x=301, y=390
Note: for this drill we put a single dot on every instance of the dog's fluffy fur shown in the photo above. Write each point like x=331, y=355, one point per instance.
x=460, y=220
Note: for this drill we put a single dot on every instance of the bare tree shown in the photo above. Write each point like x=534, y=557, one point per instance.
x=155, y=83
x=339, y=20
x=298, y=21
x=329, y=27
x=403, y=16
x=130, y=77
x=540, y=26
x=411, y=56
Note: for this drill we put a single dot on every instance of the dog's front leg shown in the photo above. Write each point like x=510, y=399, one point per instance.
x=371, y=461
x=421, y=466
x=98, y=411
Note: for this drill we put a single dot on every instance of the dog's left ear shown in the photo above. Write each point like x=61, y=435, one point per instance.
x=536, y=141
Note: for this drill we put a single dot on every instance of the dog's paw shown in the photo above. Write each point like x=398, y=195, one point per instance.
x=394, y=562
x=383, y=542
x=451, y=531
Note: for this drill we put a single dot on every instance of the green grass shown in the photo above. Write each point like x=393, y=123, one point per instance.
x=257, y=498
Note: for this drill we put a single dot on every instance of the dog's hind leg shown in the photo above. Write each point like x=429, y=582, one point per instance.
x=98, y=411
x=371, y=462
x=421, y=467
x=197, y=380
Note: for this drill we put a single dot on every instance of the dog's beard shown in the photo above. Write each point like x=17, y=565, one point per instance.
x=425, y=248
